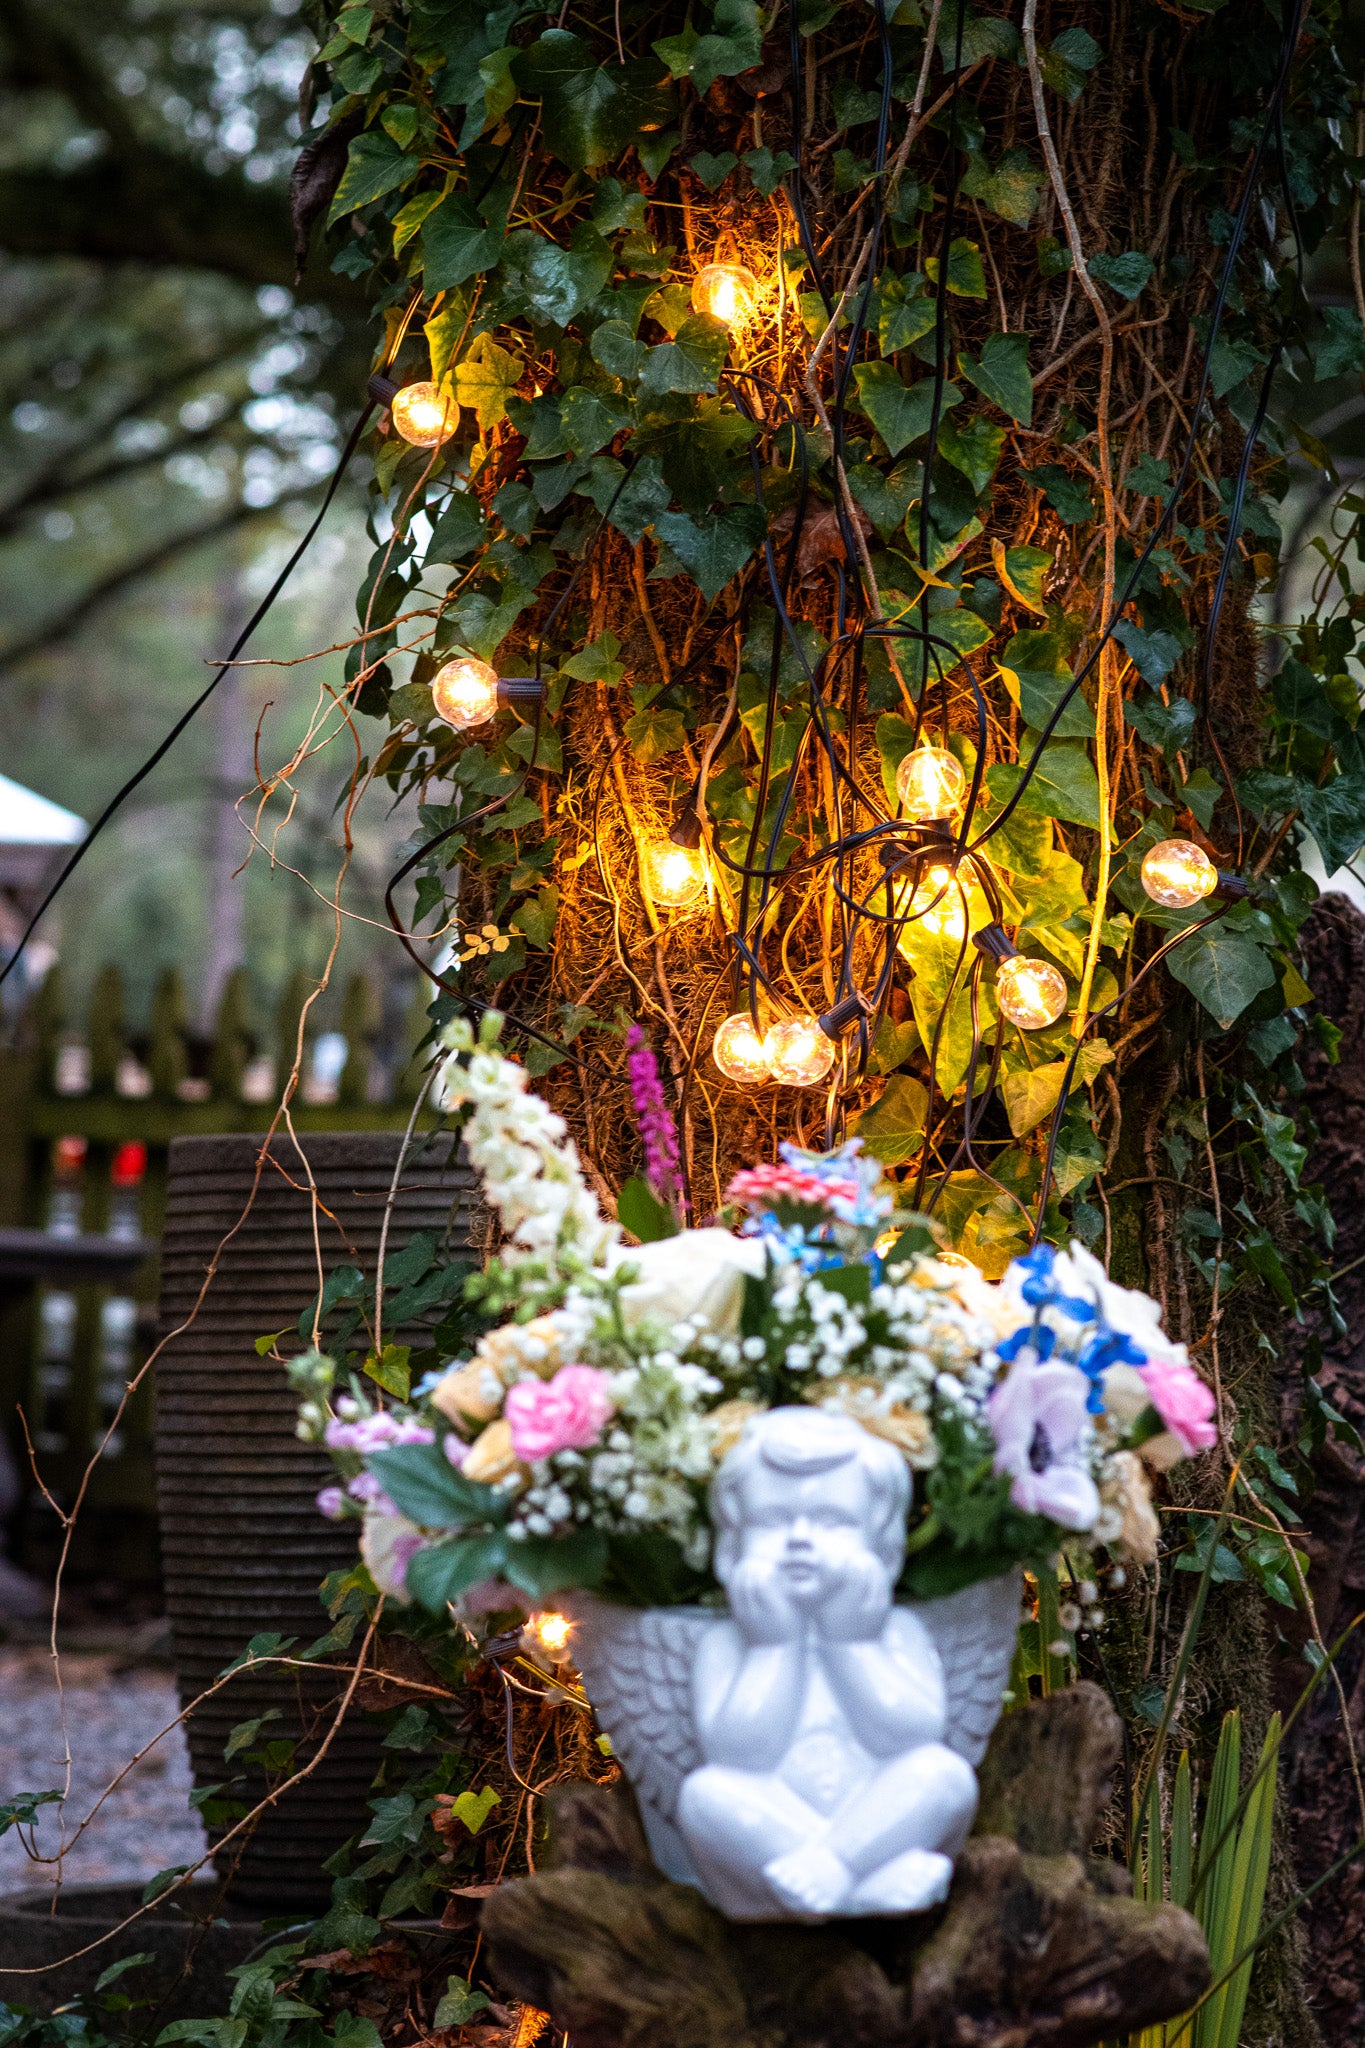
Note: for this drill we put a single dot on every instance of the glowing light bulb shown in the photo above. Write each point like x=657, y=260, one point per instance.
x=552, y=1629
x=465, y=693
x=1031, y=993
x=943, y=901
x=727, y=291
x=799, y=1053
x=1178, y=874
x=740, y=1052
x=930, y=783
x=674, y=875
x=423, y=415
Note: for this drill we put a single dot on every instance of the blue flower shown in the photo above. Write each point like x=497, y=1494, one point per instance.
x=1035, y=1337
x=1107, y=1347
x=1040, y=1290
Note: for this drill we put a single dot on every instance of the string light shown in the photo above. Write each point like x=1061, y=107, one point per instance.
x=674, y=875
x=727, y=291
x=423, y=414
x=942, y=901
x=1031, y=993
x=740, y=1053
x=799, y=1054
x=1178, y=874
x=465, y=693
x=930, y=783
x=552, y=1631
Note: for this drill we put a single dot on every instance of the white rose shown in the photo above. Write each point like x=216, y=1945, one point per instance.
x=698, y=1273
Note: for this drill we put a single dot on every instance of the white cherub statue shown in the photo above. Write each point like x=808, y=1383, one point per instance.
x=810, y=1754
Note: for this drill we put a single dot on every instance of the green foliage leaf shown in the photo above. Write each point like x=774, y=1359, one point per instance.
x=1335, y=815
x=459, y=2004
x=1068, y=496
x=885, y=499
x=374, y=165
x=548, y=1564
x=423, y=1485
x=766, y=170
x=966, y=272
x=974, y=448
x=473, y=1808
x=691, y=362
x=900, y=412
x=1064, y=66
x=616, y=349
x=486, y=379
x=590, y=111
x=390, y=1370
x=639, y=1210
x=460, y=529
x=1126, y=274
x=440, y=1574
x=1224, y=970
x=1010, y=190
x=1153, y=654
x=1001, y=374
x=1038, y=675
x=714, y=553
x=713, y=170
x=735, y=45
x=457, y=243
x=1063, y=785
x=893, y=1128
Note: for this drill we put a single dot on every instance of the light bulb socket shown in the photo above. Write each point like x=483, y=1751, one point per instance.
x=931, y=835
x=520, y=693
x=685, y=830
x=995, y=942
x=848, y=1011
x=1231, y=888
x=383, y=390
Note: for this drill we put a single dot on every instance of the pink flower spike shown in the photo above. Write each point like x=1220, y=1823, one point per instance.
x=566, y=1413
x=1184, y=1403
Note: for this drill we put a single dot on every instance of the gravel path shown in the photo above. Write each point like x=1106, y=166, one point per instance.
x=113, y=1709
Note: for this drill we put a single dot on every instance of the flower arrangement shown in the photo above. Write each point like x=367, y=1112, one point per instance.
x=575, y=1445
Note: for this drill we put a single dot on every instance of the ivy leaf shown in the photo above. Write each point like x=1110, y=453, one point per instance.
x=1340, y=346
x=486, y=379
x=691, y=362
x=390, y=1370
x=1167, y=726
x=714, y=553
x=655, y=731
x=966, y=272
x=374, y=165
x=590, y=420
x=900, y=412
x=1063, y=785
x=636, y=503
x=766, y=170
x=886, y=499
x=1153, y=654
x=1231, y=361
x=1200, y=794
x=617, y=351
x=1126, y=274
x=1335, y=815
x=1010, y=190
x=1030, y=1094
x=713, y=170
x=893, y=1129
x=554, y=284
x=1001, y=374
x=535, y=918
x=589, y=111
x=973, y=448
x=460, y=529
x=903, y=316
x=735, y=46
x=456, y=243
x=1037, y=675
x=1068, y=496
x=700, y=453
x=1023, y=572
x=459, y=2004
x=1224, y=970
x=1064, y=66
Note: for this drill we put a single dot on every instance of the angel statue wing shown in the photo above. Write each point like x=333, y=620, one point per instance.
x=974, y=1633
x=636, y=1664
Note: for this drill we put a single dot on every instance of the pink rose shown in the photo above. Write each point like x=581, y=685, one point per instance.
x=566, y=1413
x=1183, y=1402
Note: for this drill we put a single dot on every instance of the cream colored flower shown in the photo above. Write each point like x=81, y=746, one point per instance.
x=1125, y=1397
x=388, y=1544
x=1127, y=1509
x=473, y=1392
x=726, y=1425
x=697, y=1273
x=897, y=1423
x=469, y=1393
x=491, y=1456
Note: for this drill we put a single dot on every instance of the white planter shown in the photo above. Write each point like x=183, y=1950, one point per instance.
x=808, y=1752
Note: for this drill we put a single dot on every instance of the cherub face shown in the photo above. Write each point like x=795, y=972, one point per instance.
x=813, y=1533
